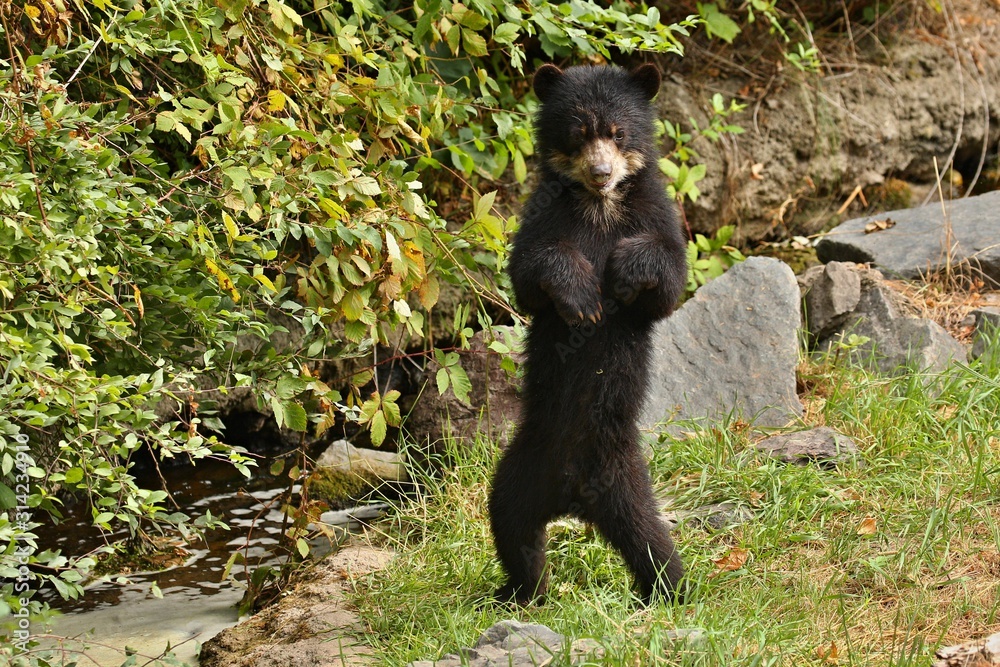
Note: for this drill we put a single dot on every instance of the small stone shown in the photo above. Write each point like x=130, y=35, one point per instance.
x=898, y=341
x=981, y=653
x=687, y=635
x=510, y=635
x=716, y=516
x=515, y=644
x=822, y=445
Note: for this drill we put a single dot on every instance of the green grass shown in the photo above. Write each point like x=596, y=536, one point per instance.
x=926, y=577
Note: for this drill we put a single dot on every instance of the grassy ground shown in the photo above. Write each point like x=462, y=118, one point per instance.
x=870, y=564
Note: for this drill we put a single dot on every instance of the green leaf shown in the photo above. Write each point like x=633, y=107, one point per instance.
x=74, y=475
x=473, y=20
x=718, y=24
x=460, y=383
x=7, y=498
x=353, y=305
x=238, y=175
x=367, y=185
x=302, y=547
x=453, y=37
x=506, y=33
x=295, y=416
x=290, y=386
x=442, y=380
x=278, y=410
x=378, y=428
x=484, y=205
x=520, y=169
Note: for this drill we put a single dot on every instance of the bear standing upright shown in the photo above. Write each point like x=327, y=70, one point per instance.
x=599, y=258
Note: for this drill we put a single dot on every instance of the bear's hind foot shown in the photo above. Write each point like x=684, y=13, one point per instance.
x=509, y=594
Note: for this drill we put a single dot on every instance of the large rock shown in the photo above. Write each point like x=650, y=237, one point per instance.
x=919, y=241
x=517, y=644
x=732, y=347
x=880, y=315
x=809, y=142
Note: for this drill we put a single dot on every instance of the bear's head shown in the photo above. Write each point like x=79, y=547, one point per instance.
x=595, y=124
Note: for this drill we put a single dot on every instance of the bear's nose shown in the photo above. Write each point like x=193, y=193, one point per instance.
x=601, y=171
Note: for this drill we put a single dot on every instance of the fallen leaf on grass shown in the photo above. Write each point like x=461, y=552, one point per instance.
x=867, y=527
x=850, y=494
x=828, y=653
x=734, y=560
x=879, y=225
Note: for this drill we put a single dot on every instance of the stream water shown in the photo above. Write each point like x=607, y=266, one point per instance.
x=196, y=602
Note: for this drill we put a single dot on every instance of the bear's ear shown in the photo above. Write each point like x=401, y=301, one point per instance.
x=647, y=77
x=545, y=80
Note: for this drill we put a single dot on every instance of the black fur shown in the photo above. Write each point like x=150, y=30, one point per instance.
x=595, y=278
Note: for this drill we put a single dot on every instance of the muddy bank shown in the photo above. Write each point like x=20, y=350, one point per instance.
x=877, y=122
x=312, y=626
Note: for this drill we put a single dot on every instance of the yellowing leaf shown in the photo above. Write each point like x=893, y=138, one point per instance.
x=275, y=100
x=867, y=527
x=353, y=305
x=428, y=292
x=265, y=281
x=138, y=300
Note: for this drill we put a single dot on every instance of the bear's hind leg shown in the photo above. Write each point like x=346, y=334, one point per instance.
x=519, y=511
x=627, y=516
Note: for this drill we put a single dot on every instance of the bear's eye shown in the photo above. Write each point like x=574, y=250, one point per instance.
x=619, y=135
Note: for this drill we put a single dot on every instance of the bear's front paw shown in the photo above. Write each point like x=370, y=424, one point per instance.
x=632, y=268
x=629, y=280
x=580, y=305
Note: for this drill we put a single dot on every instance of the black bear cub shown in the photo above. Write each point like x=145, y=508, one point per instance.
x=599, y=258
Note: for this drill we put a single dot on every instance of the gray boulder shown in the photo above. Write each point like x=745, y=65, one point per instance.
x=918, y=242
x=822, y=445
x=894, y=338
x=831, y=294
x=733, y=347
x=987, y=329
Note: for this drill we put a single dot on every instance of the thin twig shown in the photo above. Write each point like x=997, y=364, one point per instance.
x=85, y=59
